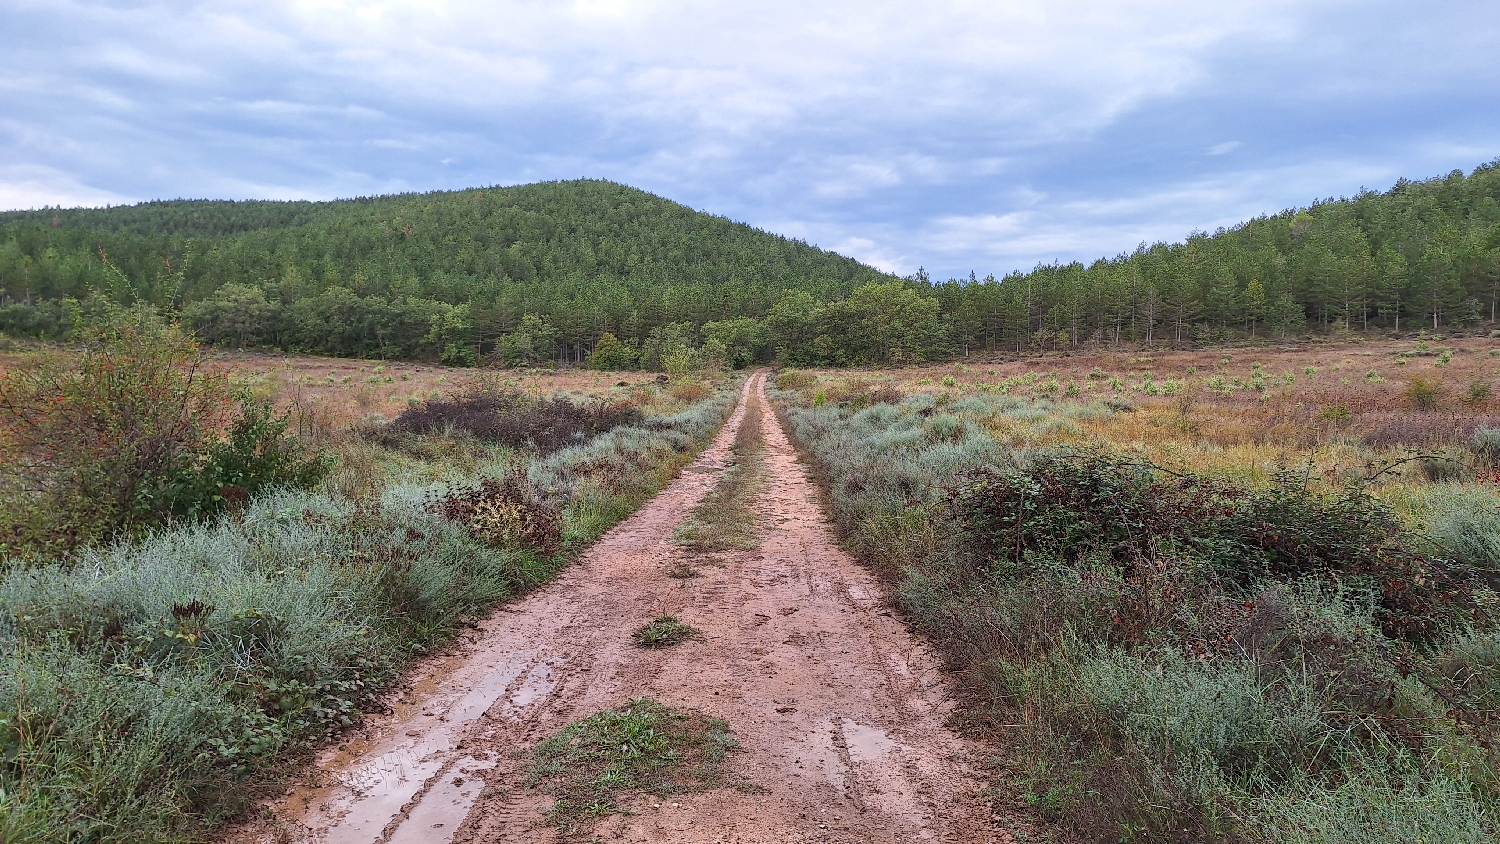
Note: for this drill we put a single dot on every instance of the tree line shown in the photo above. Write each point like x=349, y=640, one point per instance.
x=549, y=272
x=1422, y=254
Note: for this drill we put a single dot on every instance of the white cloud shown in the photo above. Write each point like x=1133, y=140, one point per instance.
x=28, y=186
x=880, y=256
x=950, y=132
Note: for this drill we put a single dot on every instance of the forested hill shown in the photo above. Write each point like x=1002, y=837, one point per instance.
x=372, y=276
x=1420, y=254
x=548, y=271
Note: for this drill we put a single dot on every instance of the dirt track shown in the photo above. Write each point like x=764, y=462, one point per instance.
x=838, y=710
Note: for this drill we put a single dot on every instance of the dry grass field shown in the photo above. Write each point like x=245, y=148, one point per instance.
x=334, y=393
x=1340, y=411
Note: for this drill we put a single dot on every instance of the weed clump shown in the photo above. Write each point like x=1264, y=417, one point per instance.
x=681, y=570
x=1423, y=393
x=859, y=393
x=643, y=747
x=507, y=511
x=1477, y=394
x=664, y=632
x=795, y=379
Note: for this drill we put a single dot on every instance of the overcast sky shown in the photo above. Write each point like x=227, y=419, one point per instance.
x=985, y=136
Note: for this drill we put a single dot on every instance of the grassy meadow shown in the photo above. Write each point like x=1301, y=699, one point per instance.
x=153, y=683
x=1244, y=594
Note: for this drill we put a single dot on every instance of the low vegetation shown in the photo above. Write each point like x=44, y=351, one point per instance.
x=725, y=519
x=643, y=747
x=1241, y=651
x=664, y=632
x=152, y=683
x=508, y=417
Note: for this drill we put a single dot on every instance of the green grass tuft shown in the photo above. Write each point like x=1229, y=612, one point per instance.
x=664, y=632
x=642, y=747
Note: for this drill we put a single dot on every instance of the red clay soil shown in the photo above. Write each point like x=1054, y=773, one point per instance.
x=839, y=712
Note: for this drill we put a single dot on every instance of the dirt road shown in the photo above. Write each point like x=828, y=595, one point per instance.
x=838, y=710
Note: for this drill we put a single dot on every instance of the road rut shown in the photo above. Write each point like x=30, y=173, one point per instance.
x=839, y=712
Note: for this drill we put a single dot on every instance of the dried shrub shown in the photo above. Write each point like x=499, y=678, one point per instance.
x=1409, y=429
x=1478, y=393
x=858, y=393
x=1443, y=468
x=508, y=511
x=795, y=379
x=511, y=418
x=690, y=392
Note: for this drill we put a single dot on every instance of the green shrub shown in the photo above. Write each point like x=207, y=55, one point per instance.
x=1466, y=523
x=1338, y=414
x=458, y=354
x=139, y=430
x=1379, y=805
x=1485, y=443
x=1423, y=393
x=611, y=355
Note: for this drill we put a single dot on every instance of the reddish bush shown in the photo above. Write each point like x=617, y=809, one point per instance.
x=1086, y=508
x=513, y=419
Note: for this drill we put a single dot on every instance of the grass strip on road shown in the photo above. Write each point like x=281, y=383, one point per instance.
x=725, y=519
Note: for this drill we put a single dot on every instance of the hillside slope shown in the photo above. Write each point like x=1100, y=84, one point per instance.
x=591, y=256
x=546, y=270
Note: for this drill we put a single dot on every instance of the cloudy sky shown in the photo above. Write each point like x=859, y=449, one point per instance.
x=959, y=136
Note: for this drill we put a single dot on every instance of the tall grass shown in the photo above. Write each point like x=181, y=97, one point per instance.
x=148, y=688
x=1178, y=658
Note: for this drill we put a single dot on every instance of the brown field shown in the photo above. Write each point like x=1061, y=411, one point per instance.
x=331, y=394
x=1338, y=410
